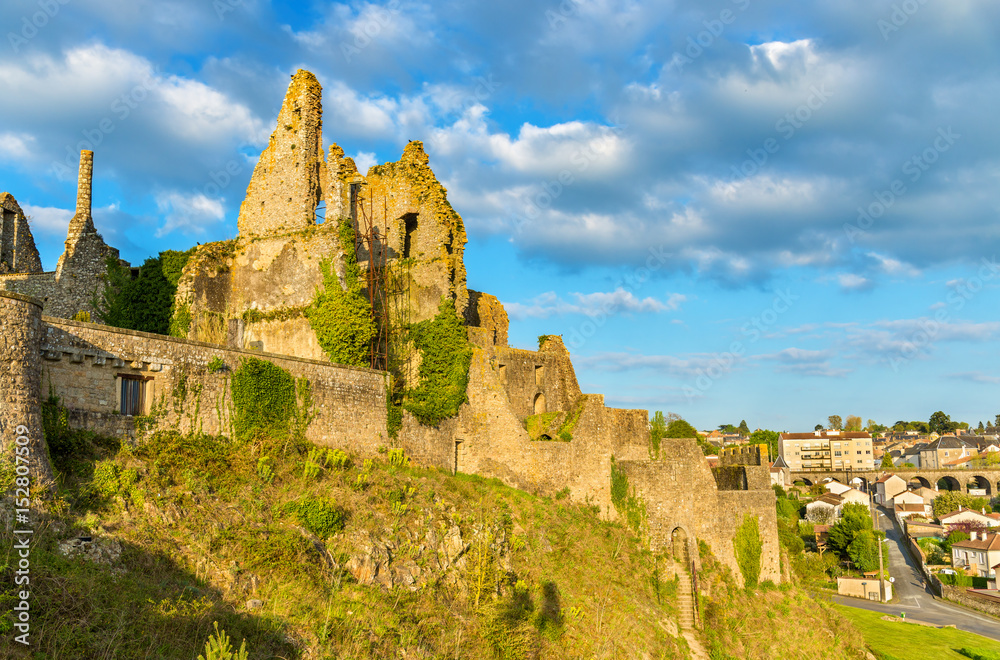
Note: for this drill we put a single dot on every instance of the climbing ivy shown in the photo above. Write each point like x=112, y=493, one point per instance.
x=342, y=320
x=444, y=366
x=748, y=543
x=623, y=498
x=263, y=399
x=145, y=302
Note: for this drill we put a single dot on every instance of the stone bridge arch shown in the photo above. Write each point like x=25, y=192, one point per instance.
x=919, y=481
x=948, y=482
x=979, y=481
x=860, y=483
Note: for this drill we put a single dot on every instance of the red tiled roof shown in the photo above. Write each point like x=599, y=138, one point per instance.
x=991, y=542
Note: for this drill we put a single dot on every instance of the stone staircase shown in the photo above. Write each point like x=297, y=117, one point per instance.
x=685, y=599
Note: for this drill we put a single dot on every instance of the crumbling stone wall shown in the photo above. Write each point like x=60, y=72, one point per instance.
x=485, y=311
x=18, y=253
x=77, y=279
x=84, y=363
x=20, y=394
x=547, y=373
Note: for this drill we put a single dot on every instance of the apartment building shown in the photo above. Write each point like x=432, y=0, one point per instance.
x=827, y=450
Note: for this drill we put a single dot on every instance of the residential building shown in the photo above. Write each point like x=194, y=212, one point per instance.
x=835, y=487
x=954, y=518
x=888, y=487
x=854, y=496
x=937, y=453
x=979, y=555
x=827, y=450
x=824, y=509
x=780, y=474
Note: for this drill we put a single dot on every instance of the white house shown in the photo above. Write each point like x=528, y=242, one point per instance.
x=824, y=509
x=980, y=554
x=887, y=488
x=854, y=495
x=950, y=520
x=835, y=487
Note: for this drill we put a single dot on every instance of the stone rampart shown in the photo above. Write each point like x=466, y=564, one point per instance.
x=85, y=365
x=20, y=392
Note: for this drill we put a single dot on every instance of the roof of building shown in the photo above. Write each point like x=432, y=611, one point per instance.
x=990, y=542
x=829, y=498
x=779, y=463
x=942, y=518
x=910, y=508
x=885, y=477
x=924, y=524
x=825, y=435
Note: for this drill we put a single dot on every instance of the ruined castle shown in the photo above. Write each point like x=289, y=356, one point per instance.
x=249, y=297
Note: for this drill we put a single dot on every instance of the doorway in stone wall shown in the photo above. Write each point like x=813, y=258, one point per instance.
x=539, y=406
x=679, y=546
x=459, y=455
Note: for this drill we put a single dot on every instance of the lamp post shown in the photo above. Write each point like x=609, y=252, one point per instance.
x=881, y=583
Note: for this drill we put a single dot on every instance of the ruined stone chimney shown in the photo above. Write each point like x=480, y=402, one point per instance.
x=85, y=183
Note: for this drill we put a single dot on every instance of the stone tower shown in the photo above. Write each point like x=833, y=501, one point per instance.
x=84, y=261
x=21, y=374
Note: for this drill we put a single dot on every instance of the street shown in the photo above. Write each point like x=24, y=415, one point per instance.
x=916, y=600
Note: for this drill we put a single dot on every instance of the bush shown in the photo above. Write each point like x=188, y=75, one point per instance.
x=320, y=516
x=979, y=654
x=748, y=544
x=219, y=648
x=263, y=398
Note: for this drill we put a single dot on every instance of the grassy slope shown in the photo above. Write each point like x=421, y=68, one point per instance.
x=205, y=526
x=913, y=642
x=202, y=532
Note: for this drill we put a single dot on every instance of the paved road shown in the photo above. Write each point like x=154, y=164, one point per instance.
x=910, y=596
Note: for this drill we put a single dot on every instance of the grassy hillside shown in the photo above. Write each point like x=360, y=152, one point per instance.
x=308, y=553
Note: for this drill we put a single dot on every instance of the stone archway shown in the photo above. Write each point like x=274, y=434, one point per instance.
x=919, y=482
x=539, y=404
x=981, y=483
x=948, y=482
x=860, y=483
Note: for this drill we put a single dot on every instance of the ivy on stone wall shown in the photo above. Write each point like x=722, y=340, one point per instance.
x=263, y=399
x=628, y=505
x=342, y=320
x=146, y=302
x=747, y=545
x=444, y=366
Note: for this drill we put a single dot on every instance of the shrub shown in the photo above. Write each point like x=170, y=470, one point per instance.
x=219, y=648
x=979, y=654
x=106, y=482
x=320, y=516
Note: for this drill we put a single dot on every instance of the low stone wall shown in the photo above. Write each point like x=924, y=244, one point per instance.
x=971, y=598
x=84, y=365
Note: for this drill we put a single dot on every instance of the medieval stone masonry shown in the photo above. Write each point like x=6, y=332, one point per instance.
x=525, y=420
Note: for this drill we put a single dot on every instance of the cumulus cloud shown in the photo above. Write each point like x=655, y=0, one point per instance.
x=592, y=304
x=189, y=214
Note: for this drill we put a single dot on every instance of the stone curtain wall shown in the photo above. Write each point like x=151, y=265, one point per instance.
x=20, y=392
x=82, y=362
x=521, y=375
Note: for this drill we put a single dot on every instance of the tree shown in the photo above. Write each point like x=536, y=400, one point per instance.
x=835, y=423
x=980, y=429
x=863, y=550
x=949, y=500
x=765, y=437
x=818, y=427
x=899, y=426
x=996, y=421
x=887, y=461
x=744, y=429
x=853, y=423
x=678, y=428
x=854, y=518
x=941, y=423
x=728, y=429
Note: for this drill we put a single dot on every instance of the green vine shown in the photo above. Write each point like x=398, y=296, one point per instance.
x=626, y=502
x=444, y=367
x=747, y=544
x=264, y=399
x=342, y=320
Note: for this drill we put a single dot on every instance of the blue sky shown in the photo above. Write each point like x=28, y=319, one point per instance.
x=730, y=210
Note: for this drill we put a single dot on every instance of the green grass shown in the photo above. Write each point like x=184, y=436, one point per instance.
x=913, y=642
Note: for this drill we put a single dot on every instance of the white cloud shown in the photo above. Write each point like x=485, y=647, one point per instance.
x=48, y=220
x=364, y=160
x=16, y=146
x=853, y=282
x=190, y=214
x=593, y=304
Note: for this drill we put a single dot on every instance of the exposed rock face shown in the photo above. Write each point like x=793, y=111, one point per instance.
x=18, y=253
